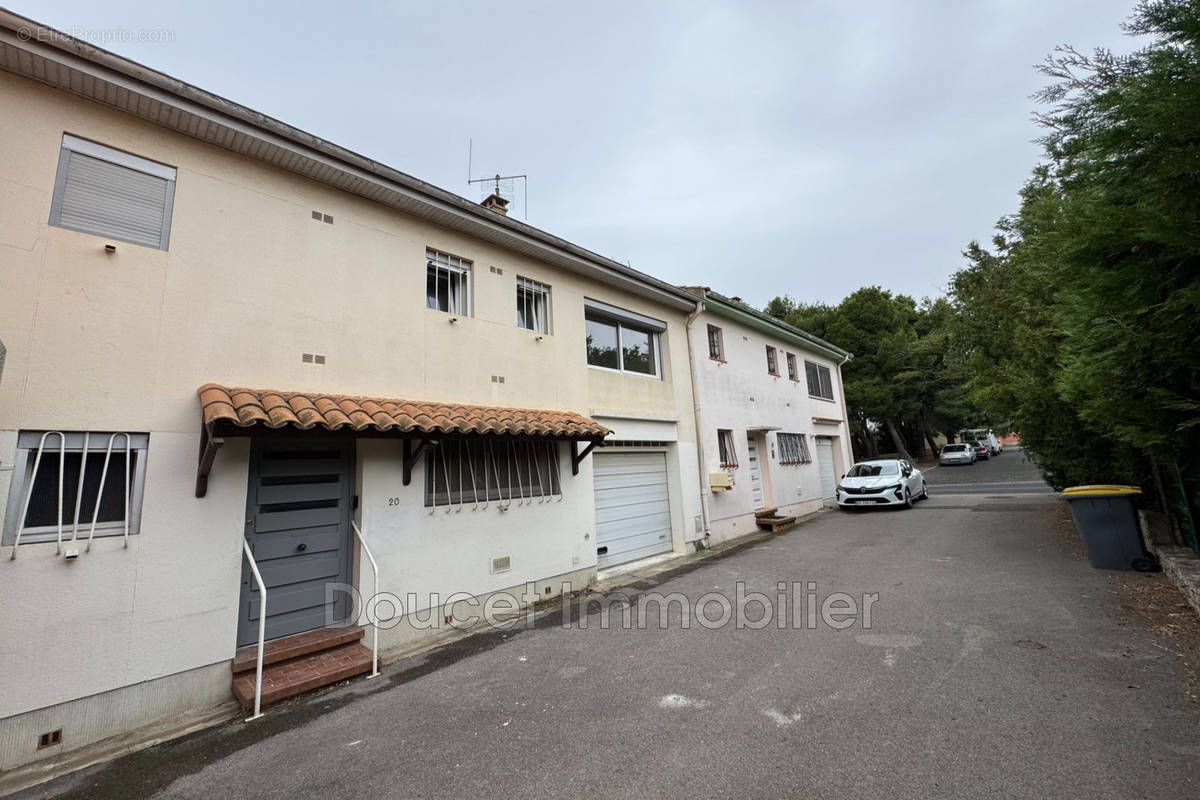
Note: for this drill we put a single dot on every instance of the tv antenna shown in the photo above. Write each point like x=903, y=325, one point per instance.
x=503, y=186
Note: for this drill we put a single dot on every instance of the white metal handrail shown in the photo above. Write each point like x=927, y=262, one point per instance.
x=37, y=463
x=262, y=628
x=375, y=586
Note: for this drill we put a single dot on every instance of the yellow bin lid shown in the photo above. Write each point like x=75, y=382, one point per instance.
x=1100, y=490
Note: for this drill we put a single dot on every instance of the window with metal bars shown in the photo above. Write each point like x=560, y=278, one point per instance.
x=716, y=345
x=447, y=283
x=793, y=448
x=820, y=381
x=772, y=361
x=533, y=305
x=725, y=447
x=72, y=485
x=475, y=471
x=792, y=371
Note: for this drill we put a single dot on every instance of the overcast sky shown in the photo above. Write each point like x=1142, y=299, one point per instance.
x=802, y=148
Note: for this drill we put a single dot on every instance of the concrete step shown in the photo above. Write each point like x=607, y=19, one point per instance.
x=774, y=522
x=765, y=512
x=289, y=647
x=303, y=674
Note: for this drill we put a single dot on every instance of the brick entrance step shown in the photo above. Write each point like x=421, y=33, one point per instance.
x=296, y=664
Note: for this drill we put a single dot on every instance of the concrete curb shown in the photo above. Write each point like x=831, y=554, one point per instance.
x=1182, y=568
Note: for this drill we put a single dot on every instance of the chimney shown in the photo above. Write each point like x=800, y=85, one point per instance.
x=494, y=202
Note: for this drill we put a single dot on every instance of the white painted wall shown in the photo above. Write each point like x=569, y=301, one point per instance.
x=739, y=394
x=249, y=283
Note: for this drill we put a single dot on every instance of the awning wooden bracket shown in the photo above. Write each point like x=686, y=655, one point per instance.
x=411, y=454
x=209, y=445
x=578, y=456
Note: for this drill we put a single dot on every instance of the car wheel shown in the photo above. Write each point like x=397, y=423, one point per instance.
x=908, y=501
x=924, y=491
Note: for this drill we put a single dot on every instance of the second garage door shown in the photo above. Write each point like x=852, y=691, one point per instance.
x=633, y=508
x=828, y=471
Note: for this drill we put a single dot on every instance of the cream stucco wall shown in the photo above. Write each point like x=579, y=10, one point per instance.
x=121, y=341
x=739, y=394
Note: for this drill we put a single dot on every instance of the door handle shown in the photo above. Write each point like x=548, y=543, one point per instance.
x=301, y=547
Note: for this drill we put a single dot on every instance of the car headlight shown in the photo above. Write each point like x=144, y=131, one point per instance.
x=892, y=487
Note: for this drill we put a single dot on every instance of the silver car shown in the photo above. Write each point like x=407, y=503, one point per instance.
x=957, y=454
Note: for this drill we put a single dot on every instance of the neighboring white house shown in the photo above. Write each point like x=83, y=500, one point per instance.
x=770, y=416
x=222, y=331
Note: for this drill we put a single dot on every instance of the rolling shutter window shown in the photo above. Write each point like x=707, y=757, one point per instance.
x=114, y=194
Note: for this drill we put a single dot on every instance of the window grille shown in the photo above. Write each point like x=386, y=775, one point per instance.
x=533, y=305
x=727, y=450
x=72, y=484
x=793, y=448
x=470, y=471
x=447, y=283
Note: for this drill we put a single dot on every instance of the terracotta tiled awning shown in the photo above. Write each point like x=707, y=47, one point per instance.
x=308, y=410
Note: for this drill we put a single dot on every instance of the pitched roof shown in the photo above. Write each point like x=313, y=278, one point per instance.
x=55, y=58
x=307, y=410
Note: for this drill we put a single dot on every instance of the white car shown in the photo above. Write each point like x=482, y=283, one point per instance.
x=959, y=453
x=882, y=482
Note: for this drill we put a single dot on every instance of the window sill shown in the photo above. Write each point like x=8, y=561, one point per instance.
x=612, y=371
x=822, y=399
x=718, y=360
x=41, y=537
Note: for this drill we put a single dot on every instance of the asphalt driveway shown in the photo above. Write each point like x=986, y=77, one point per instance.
x=997, y=664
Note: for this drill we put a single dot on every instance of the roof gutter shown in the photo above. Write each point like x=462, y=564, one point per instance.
x=753, y=318
x=27, y=35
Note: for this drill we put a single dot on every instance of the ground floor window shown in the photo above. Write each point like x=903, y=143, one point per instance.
x=459, y=471
x=72, y=479
x=793, y=448
x=725, y=447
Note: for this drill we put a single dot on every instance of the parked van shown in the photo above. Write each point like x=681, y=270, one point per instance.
x=983, y=436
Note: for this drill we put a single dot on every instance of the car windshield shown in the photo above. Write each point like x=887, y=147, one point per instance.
x=871, y=470
x=954, y=448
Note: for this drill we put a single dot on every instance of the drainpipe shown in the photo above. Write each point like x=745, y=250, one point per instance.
x=691, y=319
x=845, y=414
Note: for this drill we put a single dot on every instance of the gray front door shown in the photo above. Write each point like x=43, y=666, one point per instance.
x=298, y=509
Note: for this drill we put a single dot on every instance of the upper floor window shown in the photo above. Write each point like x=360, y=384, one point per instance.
x=63, y=483
x=716, y=345
x=533, y=305
x=772, y=361
x=820, y=382
x=622, y=340
x=793, y=373
x=725, y=446
x=793, y=448
x=447, y=283
x=112, y=193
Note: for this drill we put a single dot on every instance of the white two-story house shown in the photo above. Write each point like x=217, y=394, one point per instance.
x=770, y=416
x=235, y=353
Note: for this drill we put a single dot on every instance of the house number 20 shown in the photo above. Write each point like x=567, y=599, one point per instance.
x=393, y=501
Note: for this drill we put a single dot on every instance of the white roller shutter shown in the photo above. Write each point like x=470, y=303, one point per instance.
x=113, y=194
x=828, y=473
x=633, y=508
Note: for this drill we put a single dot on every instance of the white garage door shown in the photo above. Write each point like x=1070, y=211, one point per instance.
x=828, y=473
x=633, y=511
